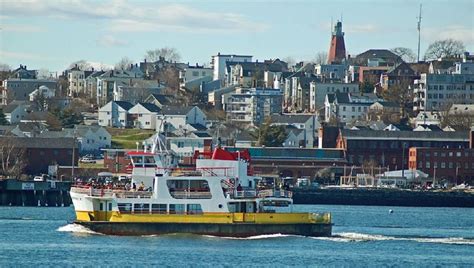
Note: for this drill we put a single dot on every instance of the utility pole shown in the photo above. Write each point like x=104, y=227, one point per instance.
x=419, y=34
x=73, y=152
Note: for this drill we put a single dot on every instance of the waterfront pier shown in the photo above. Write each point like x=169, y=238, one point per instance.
x=34, y=193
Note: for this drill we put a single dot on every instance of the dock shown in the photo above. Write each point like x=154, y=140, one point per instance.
x=34, y=193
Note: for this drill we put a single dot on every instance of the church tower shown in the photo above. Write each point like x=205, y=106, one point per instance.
x=337, y=49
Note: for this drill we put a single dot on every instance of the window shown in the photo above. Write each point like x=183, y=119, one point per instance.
x=194, y=209
x=450, y=164
x=141, y=208
x=158, y=208
x=428, y=164
x=125, y=207
x=177, y=209
x=443, y=165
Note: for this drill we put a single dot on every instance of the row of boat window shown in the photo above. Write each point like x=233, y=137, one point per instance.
x=144, y=208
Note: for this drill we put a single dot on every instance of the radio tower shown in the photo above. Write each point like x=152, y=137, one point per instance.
x=419, y=34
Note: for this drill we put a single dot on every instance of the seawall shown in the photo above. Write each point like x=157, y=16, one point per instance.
x=34, y=193
x=383, y=197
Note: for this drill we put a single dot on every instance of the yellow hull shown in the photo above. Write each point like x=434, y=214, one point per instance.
x=218, y=218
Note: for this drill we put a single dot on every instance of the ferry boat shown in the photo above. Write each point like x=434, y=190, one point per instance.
x=218, y=197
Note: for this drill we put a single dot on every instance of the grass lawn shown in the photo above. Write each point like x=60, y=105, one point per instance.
x=127, y=138
x=91, y=165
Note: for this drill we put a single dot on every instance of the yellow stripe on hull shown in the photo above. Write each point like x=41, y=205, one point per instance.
x=221, y=218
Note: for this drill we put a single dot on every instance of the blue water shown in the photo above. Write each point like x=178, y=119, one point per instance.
x=363, y=236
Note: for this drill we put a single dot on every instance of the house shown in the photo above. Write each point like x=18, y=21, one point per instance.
x=252, y=105
x=427, y=118
x=15, y=112
x=380, y=110
x=159, y=100
x=42, y=92
x=110, y=80
x=302, y=126
x=75, y=77
x=347, y=107
x=19, y=89
x=193, y=73
x=22, y=72
x=399, y=75
x=115, y=114
x=319, y=90
x=179, y=117
x=243, y=139
x=219, y=63
x=136, y=92
x=143, y=115
x=301, y=98
x=90, y=139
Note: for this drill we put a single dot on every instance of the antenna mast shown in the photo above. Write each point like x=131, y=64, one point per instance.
x=419, y=34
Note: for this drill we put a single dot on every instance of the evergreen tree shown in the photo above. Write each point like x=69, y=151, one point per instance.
x=3, y=120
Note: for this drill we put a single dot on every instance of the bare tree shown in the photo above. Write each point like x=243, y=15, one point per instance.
x=168, y=53
x=406, y=54
x=459, y=120
x=124, y=64
x=81, y=64
x=5, y=67
x=402, y=94
x=290, y=61
x=12, y=157
x=43, y=73
x=444, y=48
x=321, y=58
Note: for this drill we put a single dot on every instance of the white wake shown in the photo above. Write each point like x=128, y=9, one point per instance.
x=75, y=228
x=359, y=237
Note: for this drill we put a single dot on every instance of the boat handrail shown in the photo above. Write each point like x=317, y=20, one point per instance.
x=103, y=192
x=262, y=193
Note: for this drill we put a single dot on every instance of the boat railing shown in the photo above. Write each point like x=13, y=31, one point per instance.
x=263, y=193
x=191, y=195
x=207, y=172
x=118, y=193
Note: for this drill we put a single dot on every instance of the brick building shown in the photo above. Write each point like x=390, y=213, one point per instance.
x=384, y=148
x=453, y=164
x=37, y=154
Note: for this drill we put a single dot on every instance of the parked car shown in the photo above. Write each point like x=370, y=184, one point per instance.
x=87, y=160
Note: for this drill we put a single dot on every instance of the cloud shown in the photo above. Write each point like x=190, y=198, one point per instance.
x=21, y=28
x=110, y=41
x=123, y=16
x=457, y=32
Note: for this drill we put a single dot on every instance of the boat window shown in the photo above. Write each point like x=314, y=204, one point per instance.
x=149, y=161
x=176, y=208
x=158, y=208
x=125, y=207
x=137, y=161
x=275, y=203
x=141, y=208
x=189, y=189
x=194, y=209
x=110, y=206
x=101, y=207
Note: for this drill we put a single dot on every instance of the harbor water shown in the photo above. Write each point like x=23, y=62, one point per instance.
x=362, y=236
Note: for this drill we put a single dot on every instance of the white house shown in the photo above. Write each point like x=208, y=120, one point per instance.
x=115, y=114
x=91, y=139
x=15, y=112
x=143, y=115
x=303, y=127
x=176, y=117
x=347, y=107
x=75, y=78
x=219, y=63
x=319, y=90
x=42, y=91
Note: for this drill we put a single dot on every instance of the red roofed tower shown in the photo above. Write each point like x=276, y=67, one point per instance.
x=337, y=50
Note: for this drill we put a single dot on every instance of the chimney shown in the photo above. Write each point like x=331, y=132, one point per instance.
x=92, y=68
x=131, y=66
x=145, y=60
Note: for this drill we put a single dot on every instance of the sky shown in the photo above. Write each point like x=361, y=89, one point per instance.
x=51, y=34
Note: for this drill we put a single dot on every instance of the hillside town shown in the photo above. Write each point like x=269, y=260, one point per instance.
x=384, y=113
